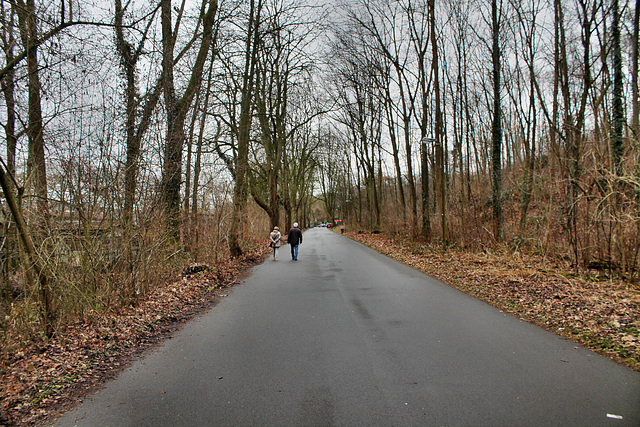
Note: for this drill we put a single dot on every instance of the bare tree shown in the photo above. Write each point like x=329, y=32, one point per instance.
x=178, y=108
x=635, y=50
x=383, y=25
x=10, y=244
x=419, y=29
x=331, y=170
x=136, y=124
x=300, y=167
x=618, y=120
x=197, y=168
x=37, y=169
x=496, y=145
x=8, y=85
x=274, y=68
x=526, y=28
x=33, y=267
x=244, y=127
x=361, y=104
x=439, y=137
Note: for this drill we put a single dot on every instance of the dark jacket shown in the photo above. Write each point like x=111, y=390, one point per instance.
x=295, y=236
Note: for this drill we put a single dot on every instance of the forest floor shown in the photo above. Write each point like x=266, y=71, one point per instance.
x=595, y=309
x=41, y=380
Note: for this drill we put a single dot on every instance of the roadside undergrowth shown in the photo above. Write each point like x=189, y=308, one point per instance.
x=599, y=312
x=44, y=378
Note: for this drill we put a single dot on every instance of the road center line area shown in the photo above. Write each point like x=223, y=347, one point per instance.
x=348, y=337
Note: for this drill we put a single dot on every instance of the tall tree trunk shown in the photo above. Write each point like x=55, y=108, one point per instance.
x=635, y=52
x=286, y=198
x=459, y=123
x=197, y=168
x=413, y=193
x=171, y=173
x=396, y=154
x=31, y=261
x=528, y=29
x=36, y=166
x=375, y=145
x=177, y=109
x=246, y=117
x=377, y=192
x=573, y=130
x=128, y=61
x=271, y=106
x=439, y=149
x=618, y=108
x=134, y=131
x=274, y=179
x=194, y=195
x=529, y=159
x=426, y=213
x=468, y=132
x=496, y=147
x=420, y=42
x=190, y=143
x=8, y=89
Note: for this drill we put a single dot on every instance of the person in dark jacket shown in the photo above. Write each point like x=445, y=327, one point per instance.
x=295, y=239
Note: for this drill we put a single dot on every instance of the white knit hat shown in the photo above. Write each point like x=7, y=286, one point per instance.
x=295, y=224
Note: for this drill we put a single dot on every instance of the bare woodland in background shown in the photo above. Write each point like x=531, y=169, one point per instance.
x=142, y=137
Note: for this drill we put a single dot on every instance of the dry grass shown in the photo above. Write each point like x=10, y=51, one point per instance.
x=42, y=378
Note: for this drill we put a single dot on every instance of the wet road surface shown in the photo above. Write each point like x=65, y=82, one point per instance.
x=347, y=337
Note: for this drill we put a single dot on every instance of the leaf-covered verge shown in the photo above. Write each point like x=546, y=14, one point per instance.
x=599, y=312
x=42, y=380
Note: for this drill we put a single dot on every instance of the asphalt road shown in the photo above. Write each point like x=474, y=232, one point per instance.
x=347, y=337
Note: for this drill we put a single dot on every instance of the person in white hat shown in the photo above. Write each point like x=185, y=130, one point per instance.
x=295, y=239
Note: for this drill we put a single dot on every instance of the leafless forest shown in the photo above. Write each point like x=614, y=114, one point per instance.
x=145, y=136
